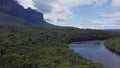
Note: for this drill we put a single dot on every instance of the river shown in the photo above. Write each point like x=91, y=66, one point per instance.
x=97, y=52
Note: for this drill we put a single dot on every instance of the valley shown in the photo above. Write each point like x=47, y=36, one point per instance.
x=27, y=40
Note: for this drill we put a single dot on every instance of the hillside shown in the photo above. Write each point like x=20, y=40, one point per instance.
x=13, y=15
x=12, y=22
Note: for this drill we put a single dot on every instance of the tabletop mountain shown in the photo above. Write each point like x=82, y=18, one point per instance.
x=13, y=15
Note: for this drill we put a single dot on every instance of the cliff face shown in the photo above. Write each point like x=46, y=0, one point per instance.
x=11, y=7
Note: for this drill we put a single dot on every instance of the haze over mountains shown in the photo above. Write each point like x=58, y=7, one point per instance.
x=13, y=15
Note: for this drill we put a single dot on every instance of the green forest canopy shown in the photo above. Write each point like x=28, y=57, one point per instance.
x=46, y=48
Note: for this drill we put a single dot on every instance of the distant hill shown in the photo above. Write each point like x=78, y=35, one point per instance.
x=13, y=15
x=112, y=30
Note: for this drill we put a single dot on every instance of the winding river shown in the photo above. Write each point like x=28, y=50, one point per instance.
x=97, y=52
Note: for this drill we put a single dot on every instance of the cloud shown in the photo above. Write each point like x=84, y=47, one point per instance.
x=56, y=11
x=99, y=24
x=115, y=14
x=27, y=3
x=44, y=6
x=108, y=21
x=115, y=3
x=100, y=2
x=61, y=10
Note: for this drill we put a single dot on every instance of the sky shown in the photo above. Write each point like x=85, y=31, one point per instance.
x=94, y=14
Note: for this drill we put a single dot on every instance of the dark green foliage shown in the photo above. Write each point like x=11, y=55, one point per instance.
x=45, y=48
x=113, y=44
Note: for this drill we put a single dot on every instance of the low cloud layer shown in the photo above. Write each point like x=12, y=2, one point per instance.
x=62, y=10
x=59, y=10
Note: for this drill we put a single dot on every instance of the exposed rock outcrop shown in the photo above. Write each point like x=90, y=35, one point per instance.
x=11, y=7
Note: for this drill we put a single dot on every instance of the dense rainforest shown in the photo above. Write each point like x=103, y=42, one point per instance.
x=46, y=48
x=28, y=41
x=113, y=44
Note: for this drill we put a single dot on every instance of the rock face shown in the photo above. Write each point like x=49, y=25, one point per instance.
x=11, y=7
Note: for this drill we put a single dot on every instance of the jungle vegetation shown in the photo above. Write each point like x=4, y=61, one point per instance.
x=113, y=44
x=46, y=48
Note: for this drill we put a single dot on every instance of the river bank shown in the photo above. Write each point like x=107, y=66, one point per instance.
x=113, y=44
x=98, y=53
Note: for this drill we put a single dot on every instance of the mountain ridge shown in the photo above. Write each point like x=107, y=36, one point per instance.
x=12, y=8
